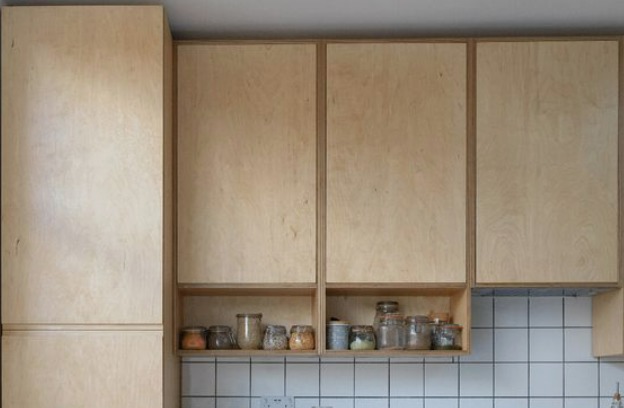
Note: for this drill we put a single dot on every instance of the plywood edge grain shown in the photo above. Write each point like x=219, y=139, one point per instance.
x=608, y=324
x=13, y=329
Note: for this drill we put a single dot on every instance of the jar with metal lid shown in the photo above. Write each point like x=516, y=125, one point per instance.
x=362, y=338
x=193, y=338
x=220, y=338
x=249, y=331
x=337, y=333
x=417, y=333
x=447, y=337
x=301, y=337
x=275, y=338
x=391, y=332
x=383, y=308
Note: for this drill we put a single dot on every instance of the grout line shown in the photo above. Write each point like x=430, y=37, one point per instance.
x=529, y=352
x=250, y=382
x=493, y=353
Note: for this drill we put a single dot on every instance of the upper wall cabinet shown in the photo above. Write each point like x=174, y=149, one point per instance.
x=547, y=162
x=247, y=163
x=82, y=165
x=396, y=162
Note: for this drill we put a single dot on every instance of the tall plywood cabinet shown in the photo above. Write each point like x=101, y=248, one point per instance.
x=86, y=207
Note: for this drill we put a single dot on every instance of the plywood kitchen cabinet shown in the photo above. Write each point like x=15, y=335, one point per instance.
x=246, y=163
x=396, y=162
x=608, y=324
x=547, y=162
x=87, y=281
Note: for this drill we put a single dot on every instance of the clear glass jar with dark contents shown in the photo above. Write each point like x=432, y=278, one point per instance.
x=220, y=338
x=447, y=337
x=391, y=332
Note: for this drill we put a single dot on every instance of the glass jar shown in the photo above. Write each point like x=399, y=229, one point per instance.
x=417, y=333
x=301, y=337
x=362, y=338
x=383, y=308
x=447, y=337
x=391, y=332
x=249, y=331
x=275, y=338
x=220, y=338
x=193, y=338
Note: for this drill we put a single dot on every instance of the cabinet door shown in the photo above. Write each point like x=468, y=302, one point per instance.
x=246, y=163
x=82, y=164
x=547, y=162
x=81, y=369
x=396, y=162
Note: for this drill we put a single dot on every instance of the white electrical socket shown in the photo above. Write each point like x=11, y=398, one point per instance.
x=278, y=402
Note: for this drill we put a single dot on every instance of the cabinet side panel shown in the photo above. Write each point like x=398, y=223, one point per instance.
x=608, y=324
x=82, y=156
x=246, y=163
x=396, y=162
x=81, y=369
x=547, y=146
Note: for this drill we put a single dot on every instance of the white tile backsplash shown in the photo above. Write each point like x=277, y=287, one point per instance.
x=533, y=350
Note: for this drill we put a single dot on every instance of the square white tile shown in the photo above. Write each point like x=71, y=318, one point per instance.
x=482, y=311
x=581, y=380
x=337, y=380
x=441, y=403
x=302, y=380
x=546, y=345
x=584, y=403
x=406, y=403
x=546, y=311
x=371, y=380
x=232, y=379
x=476, y=403
x=511, y=403
x=511, y=345
x=511, y=380
x=578, y=311
x=307, y=402
x=482, y=342
x=337, y=402
x=232, y=402
x=198, y=402
x=546, y=380
x=578, y=345
x=441, y=380
x=511, y=311
x=267, y=379
x=198, y=379
x=476, y=380
x=546, y=402
x=610, y=374
x=371, y=403
x=406, y=380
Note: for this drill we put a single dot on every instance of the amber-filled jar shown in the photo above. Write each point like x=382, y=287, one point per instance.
x=220, y=338
x=301, y=337
x=193, y=338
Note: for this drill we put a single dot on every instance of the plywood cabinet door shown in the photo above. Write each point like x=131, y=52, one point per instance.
x=396, y=162
x=82, y=165
x=82, y=369
x=246, y=163
x=547, y=162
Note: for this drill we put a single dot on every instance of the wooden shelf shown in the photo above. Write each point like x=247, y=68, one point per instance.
x=395, y=353
x=247, y=353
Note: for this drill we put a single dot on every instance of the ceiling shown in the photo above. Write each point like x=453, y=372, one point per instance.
x=207, y=19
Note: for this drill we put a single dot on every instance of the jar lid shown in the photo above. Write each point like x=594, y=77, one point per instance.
x=219, y=329
x=251, y=315
x=194, y=329
x=301, y=328
x=417, y=319
x=275, y=328
x=387, y=303
x=362, y=328
x=392, y=317
x=337, y=323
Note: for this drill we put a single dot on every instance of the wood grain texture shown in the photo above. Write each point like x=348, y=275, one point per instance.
x=608, y=324
x=246, y=163
x=81, y=369
x=82, y=165
x=547, y=165
x=396, y=162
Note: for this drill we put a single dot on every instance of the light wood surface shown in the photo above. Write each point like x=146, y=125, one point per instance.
x=547, y=165
x=82, y=164
x=396, y=162
x=78, y=369
x=246, y=163
x=608, y=324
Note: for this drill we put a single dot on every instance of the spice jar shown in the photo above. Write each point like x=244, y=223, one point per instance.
x=417, y=333
x=391, y=332
x=383, y=308
x=337, y=335
x=249, y=333
x=193, y=338
x=275, y=338
x=301, y=337
x=220, y=338
x=447, y=337
x=362, y=338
